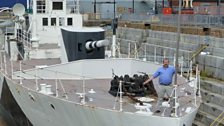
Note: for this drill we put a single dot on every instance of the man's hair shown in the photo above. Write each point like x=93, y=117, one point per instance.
x=165, y=59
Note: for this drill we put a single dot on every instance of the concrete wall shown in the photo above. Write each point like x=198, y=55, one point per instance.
x=211, y=65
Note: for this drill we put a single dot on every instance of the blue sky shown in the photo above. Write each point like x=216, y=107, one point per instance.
x=10, y=3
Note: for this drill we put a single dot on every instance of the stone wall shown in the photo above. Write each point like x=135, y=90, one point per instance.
x=211, y=65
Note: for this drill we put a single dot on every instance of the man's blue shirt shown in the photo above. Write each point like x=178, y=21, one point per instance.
x=165, y=75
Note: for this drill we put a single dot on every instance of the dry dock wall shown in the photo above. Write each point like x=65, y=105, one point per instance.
x=211, y=65
x=212, y=103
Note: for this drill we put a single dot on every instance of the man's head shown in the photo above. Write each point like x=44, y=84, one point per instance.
x=165, y=62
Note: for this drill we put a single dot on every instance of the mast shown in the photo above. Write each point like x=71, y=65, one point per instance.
x=114, y=23
x=27, y=5
x=177, y=55
x=34, y=25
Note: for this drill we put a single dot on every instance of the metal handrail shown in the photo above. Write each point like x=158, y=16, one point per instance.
x=217, y=119
x=199, y=50
x=220, y=121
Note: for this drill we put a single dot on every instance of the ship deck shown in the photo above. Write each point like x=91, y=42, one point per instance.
x=70, y=89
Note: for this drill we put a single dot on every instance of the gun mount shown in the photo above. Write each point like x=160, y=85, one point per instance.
x=83, y=43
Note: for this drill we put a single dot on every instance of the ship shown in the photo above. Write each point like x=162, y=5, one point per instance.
x=59, y=75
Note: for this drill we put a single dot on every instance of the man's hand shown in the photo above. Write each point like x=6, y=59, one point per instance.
x=148, y=80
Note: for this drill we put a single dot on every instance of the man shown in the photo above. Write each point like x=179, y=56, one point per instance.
x=165, y=74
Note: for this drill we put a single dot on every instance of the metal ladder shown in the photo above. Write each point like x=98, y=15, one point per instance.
x=218, y=120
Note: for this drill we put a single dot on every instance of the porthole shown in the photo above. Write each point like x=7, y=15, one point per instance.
x=52, y=106
x=31, y=97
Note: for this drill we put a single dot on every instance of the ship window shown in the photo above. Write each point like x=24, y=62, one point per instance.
x=45, y=21
x=41, y=6
x=53, y=21
x=69, y=21
x=61, y=21
x=57, y=5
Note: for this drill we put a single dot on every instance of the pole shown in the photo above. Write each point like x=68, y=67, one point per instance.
x=56, y=83
x=95, y=6
x=28, y=5
x=120, y=87
x=177, y=55
x=156, y=9
x=83, y=91
x=11, y=67
x=178, y=42
x=34, y=25
x=5, y=64
x=2, y=58
x=114, y=34
x=219, y=10
x=20, y=72
x=36, y=80
x=133, y=6
x=114, y=9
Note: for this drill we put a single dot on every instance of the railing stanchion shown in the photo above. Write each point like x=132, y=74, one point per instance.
x=20, y=73
x=36, y=80
x=56, y=84
x=121, y=104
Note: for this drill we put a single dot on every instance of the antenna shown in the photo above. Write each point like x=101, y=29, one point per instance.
x=18, y=10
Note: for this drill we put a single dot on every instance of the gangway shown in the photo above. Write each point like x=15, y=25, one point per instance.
x=199, y=50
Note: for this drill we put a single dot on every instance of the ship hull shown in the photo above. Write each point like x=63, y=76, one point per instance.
x=44, y=110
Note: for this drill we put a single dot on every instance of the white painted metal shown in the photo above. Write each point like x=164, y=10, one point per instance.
x=114, y=46
x=120, y=100
x=65, y=93
x=175, y=101
x=154, y=54
x=56, y=83
x=136, y=51
x=20, y=69
x=199, y=84
x=1, y=59
x=11, y=62
x=83, y=101
x=181, y=66
x=56, y=111
x=74, y=114
x=13, y=50
x=36, y=79
x=5, y=64
x=129, y=50
x=99, y=43
x=145, y=58
x=43, y=88
x=27, y=4
x=34, y=39
x=88, y=68
x=48, y=90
